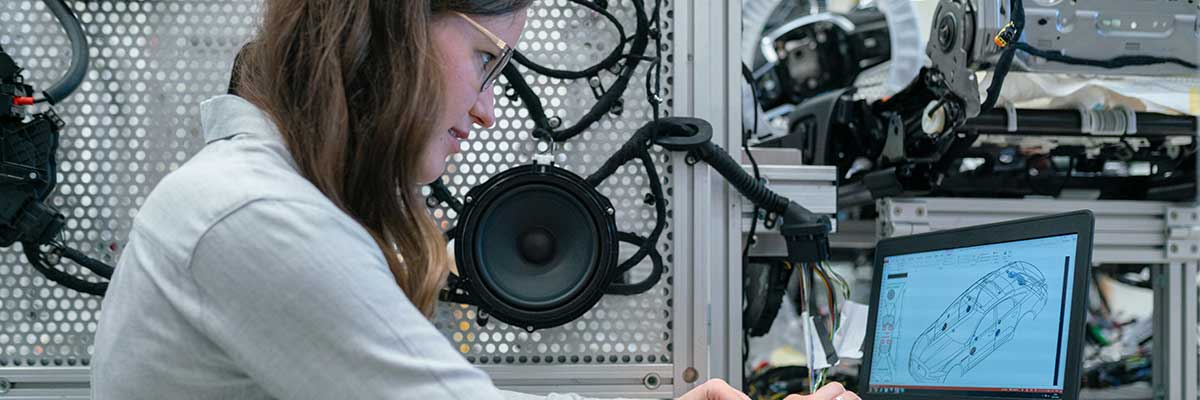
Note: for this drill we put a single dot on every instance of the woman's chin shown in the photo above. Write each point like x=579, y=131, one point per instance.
x=426, y=179
x=432, y=171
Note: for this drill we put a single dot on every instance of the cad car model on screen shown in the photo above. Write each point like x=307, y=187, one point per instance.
x=984, y=317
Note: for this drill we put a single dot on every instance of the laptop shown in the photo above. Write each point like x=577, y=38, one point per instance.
x=986, y=312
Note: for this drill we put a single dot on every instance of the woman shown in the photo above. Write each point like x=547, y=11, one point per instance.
x=293, y=257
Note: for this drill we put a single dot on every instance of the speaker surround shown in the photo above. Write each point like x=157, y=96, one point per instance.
x=551, y=247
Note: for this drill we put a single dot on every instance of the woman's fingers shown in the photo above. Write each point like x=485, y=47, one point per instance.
x=832, y=391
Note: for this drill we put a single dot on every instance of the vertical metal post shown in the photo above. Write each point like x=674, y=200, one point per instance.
x=1175, y=324
x=729, y=365
x=683, y=332
x=704, y=88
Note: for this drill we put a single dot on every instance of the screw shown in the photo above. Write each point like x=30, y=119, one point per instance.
x=468, y=199
x=610, y=211
x=690, y=160
x=554, y=122
x=690, y=375
x=431, y=202
x=5, y=385
x=898, y=211
x=594, y=81
x=946, y=30
x=1174, y=248
x=33, y=175
x=651, y=381
x=920, y=211
x=1174, y=215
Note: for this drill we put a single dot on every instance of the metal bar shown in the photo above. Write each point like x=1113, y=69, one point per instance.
x=45, y=383
x=685, y=352
x=1188, y=374
x=1120, y=255
x=815, y=173
x=712, y=81
x=1118, y=207
x=810, y=186
x=726, y=360
x=592, y=375
x=1104, y=223
x=1167, y=324
x=595, y=391
x=1134, y=232
x=1069, y=123
x=46, y=374
x=706, y=77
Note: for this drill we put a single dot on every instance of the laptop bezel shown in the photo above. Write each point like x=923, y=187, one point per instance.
x=1081, y=223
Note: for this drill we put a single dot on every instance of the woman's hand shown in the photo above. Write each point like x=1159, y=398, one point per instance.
x=717, y=389
x=714, y=389
x=832, y=391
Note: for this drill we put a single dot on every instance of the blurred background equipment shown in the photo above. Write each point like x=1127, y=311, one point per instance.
x=1012, y=109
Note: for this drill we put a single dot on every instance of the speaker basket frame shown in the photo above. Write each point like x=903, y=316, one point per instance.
x=473, y=289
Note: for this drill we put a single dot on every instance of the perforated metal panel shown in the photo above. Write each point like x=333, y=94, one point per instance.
x=131, y=122
x=621, y=329
x=136, y=118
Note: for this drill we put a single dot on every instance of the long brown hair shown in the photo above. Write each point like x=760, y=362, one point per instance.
x=352, y=86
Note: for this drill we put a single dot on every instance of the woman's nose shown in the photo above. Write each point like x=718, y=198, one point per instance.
x=483, y=112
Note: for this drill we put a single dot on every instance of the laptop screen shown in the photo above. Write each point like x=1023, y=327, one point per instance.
x=974, y=321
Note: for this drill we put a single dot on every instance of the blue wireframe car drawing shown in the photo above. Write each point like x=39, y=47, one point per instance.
x=983, y=318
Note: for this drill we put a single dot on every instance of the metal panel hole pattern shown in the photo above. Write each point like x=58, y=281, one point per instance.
x=136, y=118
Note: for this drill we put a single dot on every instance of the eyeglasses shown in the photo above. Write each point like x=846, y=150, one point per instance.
x=495, y=64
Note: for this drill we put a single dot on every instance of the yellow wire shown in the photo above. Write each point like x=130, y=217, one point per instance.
x=833, y=320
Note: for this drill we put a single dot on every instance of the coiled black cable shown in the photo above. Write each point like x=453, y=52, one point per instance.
x=608, y=62
x=611, y=97
x=637, y=147
x=38, y=260
x=656, y=270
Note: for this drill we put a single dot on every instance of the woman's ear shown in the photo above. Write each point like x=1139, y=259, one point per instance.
x=235, y=75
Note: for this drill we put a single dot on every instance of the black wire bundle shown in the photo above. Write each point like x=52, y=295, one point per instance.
x=1112, y=63
x=624, y=60
x=39, y=260
x=638, y=147
x=610, y=99
x=1006, y=56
